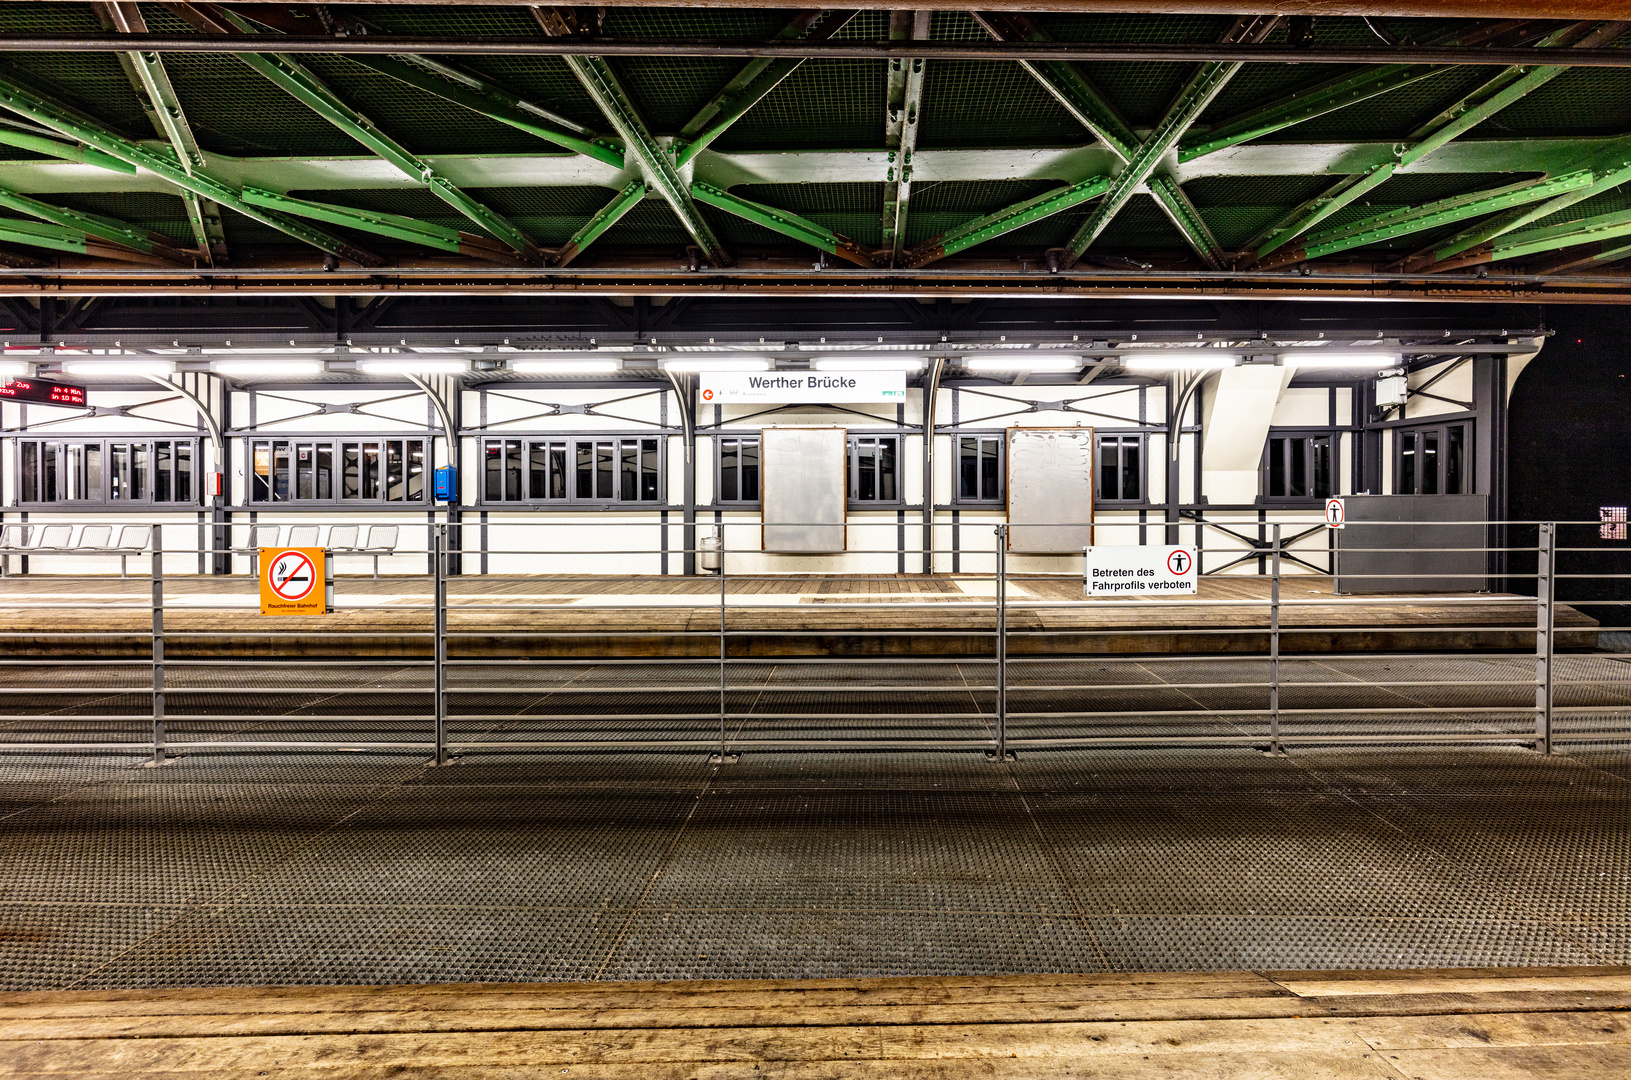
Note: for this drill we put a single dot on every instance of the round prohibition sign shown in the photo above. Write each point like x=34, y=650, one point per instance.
x=291, y=576
x=1179, y=562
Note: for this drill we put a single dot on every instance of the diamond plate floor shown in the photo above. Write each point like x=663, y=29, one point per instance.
x=257, y=869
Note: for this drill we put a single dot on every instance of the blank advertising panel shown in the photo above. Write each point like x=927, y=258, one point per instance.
x=804, y=489
x=1050, y=489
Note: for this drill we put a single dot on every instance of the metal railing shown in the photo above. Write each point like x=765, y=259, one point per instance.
x=808, y=660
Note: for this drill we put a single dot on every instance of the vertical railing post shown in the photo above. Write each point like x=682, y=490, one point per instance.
x=158, y=644
x=719, y=756
x=1002, y=643
x=1545, y=623
x=439, y=651
x=1274, y=648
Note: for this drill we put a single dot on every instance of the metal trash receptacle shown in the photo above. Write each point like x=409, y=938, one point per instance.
x=709, y=552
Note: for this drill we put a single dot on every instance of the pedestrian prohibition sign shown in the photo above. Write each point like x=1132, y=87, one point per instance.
x=292, y=581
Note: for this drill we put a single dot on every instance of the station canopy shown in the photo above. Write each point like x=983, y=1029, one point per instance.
x=1473, y=153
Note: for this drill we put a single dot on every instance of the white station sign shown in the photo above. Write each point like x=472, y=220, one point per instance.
x=1127, y=571
x=795, y=387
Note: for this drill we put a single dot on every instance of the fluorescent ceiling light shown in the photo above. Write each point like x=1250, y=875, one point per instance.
x=414, y=365
x=117, y=368
x=1181, y=360
x=1332, y=359
x=284, y=368
x=1023, y=362
x=823, y=346
x=717, y=363
x=568, y=365
x=870, y=363
x=10, y=369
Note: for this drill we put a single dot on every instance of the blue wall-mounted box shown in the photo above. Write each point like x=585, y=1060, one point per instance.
x=446, y=484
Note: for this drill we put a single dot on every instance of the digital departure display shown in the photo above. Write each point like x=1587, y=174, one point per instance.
x=45, y=393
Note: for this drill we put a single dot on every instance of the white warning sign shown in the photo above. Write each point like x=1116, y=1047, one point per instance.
x=1128, y=571
x=1336, y=514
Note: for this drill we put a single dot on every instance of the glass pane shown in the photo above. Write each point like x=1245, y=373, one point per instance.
x=1109, y=467
x=729, y=488
x=163, y=463
x=138, y=470
x=305, y=460
x=119, y=469
x=866, y=456
x=416, y=471
x=370, y=471
x=494, y=490
x=1406, y=483
x=629, y=458
x=52, y=462
x=282, y=479
x=586, y=470
x=395, y=472
x=750, y=470
x=1429, y=463
x=1298, y=449
x=605, y=466
x=1454, y=450
x=93, y=471
x=325, y=471
x=557, y=471
x=1322, y=467
x=512, y=470
x=184, y=472
x=351, y=471
x=74, y=475
x=886, y=470
x=989, y=487
x=1130, y=474
x=31, y=472
x=648, y=470
x=537, y=470
x=968, y=469
x=260, y=481
x=1277, y=468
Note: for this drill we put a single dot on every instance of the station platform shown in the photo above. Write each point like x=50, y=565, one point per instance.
x=554, y=616
x=1357, y=1025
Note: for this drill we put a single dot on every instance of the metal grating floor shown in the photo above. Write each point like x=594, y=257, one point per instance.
x=237, y=868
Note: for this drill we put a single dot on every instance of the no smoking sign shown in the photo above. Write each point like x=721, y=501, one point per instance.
x=292, y=581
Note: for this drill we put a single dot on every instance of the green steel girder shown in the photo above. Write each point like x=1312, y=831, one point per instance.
x=478, y=95
x=1200, y=91
x=1092, y=110
x=603, y=219
x=902, y=105
x=99, y=227
x=1002, y=221
x=1569, y=234
x=70, y=122
x=660, y=171
x=394, y=226
x=750, y=85
x=67, y=151
x=784, y=222
x=1303, y=105
x=1319, y=208
x=43, y=235
x=1416, y=219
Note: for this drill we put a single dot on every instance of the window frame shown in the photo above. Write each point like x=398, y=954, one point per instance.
x=1311, y=435
x=571, y=446
x=378, y=478
x=741, y=441
x=1441, y=480
x=852, y=470
x=144, y=448
x=983, y=499
x=1142, y=439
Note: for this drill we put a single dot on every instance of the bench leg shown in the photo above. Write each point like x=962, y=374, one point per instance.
x=122, y=566
x=376, y=567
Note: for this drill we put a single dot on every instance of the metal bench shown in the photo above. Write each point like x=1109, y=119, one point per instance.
x=381, y=540
x=13, y=541
x=259, y=536
x=133, y=540
x=303, y=536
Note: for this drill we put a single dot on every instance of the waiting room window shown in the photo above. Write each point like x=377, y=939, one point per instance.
x=738, y=480
x=980, y=468
x=1433, y=460
x=114, y=472
x=874, y=468
x=1298, y=467
x=350, y=471
x=1121, y=468
x=590, y=470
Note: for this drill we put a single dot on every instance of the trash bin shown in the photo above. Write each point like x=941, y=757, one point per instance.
x=709, y=550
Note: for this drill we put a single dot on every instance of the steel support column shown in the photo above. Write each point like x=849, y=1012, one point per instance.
x=904, y=99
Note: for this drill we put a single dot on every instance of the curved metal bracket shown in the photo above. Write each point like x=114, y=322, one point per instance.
x=204, y=412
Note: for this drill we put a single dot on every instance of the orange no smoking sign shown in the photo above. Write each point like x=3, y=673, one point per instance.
x=292, y=581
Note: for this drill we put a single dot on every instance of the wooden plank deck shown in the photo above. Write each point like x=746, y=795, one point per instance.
x=802, y=615
x=1460, y=1024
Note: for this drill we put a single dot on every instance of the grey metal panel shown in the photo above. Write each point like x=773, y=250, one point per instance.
x=803, y=489
x=1419, y=535
x=1050, y=489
